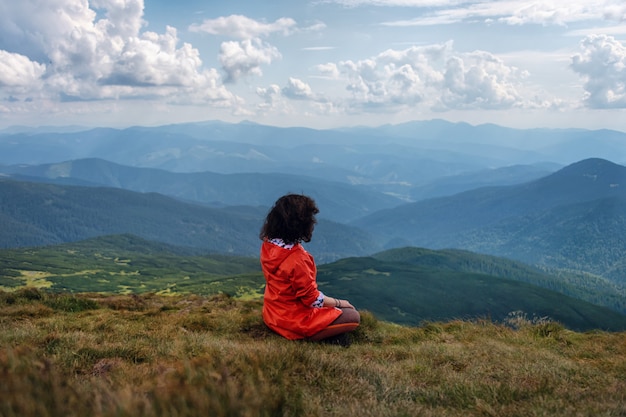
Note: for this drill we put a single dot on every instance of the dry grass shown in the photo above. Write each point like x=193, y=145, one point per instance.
x=63, y=355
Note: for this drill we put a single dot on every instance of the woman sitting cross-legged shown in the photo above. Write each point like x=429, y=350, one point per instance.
x=292, y=305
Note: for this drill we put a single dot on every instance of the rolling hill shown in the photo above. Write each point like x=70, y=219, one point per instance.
x=574, y=218
x=401, y=286
x=410, y=294
x=591, y=288
x=339, y=201
x=36, y=214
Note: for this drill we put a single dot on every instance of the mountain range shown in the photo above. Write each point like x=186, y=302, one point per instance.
x=569, y=218
x=341, y=202
x=573, y=219
x=552, y=199
x=394, y=159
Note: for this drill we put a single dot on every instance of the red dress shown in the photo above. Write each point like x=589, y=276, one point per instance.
x=290, y=292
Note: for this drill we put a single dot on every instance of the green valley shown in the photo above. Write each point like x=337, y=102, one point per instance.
x=407, y=286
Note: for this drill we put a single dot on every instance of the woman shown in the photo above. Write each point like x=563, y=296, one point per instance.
x=293, y=306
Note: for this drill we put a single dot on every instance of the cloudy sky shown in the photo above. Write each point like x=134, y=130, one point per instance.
x=319, y=63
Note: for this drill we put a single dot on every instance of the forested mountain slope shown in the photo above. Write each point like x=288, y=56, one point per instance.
x=574, y=218
x=34, y=214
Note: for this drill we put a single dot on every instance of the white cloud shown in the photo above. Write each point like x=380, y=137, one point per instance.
x=602, y=62
x=270, y=93
x=615, y=11
x=18, y=71
x=67, y=53
x=240, y=59
x=480, y=80
x=435, y=76
x=424, y=21
x=242, y=27
x=319, y=48
x=298, y=90
x=550, y=12
x=271, y=96
x=37, y=29
x=513, y=12
x=604, y=30
x=397, y=3
x=245, y=56
x=315, y=27
x=123, y=17
x=329, y=70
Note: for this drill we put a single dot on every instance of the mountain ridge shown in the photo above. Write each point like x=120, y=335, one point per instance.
x=341, y=202
x=494, y=220
x=411, y=154
x=35, y=214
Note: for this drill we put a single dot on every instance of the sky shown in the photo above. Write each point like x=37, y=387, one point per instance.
x=319, y=64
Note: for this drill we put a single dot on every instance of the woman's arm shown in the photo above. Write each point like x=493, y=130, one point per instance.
x=336, y=302
x=304, y=275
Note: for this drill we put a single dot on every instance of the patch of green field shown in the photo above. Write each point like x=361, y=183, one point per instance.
x=113, y=265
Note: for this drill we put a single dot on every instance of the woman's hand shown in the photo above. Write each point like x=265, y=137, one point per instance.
x=343, y=304
x=336, y=302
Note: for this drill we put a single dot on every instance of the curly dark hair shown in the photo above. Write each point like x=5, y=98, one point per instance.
x=292, y=219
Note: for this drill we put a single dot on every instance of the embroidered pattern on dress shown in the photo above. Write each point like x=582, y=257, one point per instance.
x=319, y=303
x=279, y=242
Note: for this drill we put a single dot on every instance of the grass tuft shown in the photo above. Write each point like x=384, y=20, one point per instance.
x=70, y=303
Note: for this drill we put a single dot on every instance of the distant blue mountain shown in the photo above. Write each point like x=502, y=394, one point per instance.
x=394, y=159
x=338, y=201
x=574, y=218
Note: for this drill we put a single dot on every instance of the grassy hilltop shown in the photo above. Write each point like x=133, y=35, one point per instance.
x=150, y=355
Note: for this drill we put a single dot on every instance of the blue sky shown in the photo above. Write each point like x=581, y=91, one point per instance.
x=321, y=64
